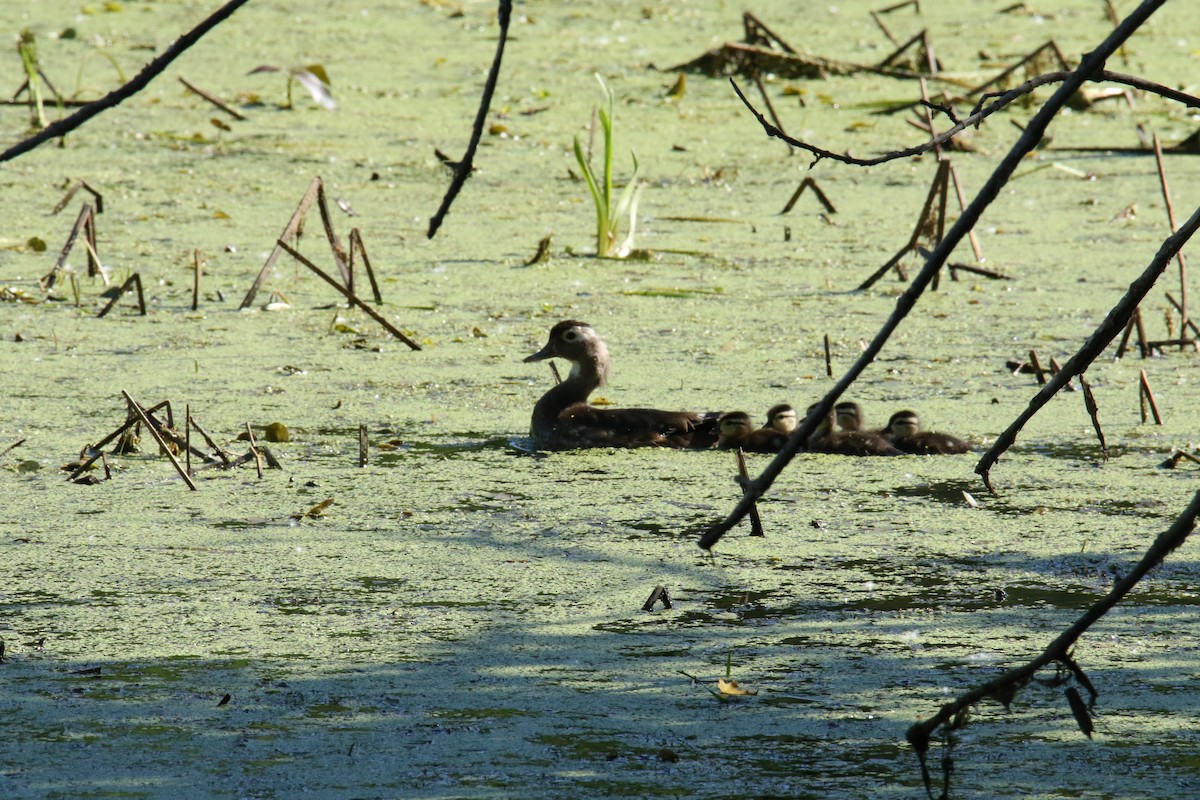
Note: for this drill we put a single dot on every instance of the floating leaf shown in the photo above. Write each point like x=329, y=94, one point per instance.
x=731, y=689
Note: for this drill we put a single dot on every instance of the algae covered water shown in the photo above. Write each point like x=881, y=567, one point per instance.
x=465, y=618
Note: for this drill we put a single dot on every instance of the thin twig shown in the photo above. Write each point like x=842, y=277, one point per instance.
x=981, y=113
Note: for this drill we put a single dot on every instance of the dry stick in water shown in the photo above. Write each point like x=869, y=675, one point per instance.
x=1056, y=368
x=75, y=187
x=372, y=313
x=463, y=169
x=1093, y=409
x=925, y=221
x=254, y=450
x=1190, y=323
x=1092, y=63
x=196, y=279
x=809, y=183
x=135, y=281
x=1100, y=339
x=1166, y=190
x=216, y=101
x=756, y=526
x=292, y=229
x=1037, y=367
x=356, y=245
x=828, y=359
x=362, y=445
x=161, y=442
x=1059, y=650
x=1140, y=327
x=1144, y=385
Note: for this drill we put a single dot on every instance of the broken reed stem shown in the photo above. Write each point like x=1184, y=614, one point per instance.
x=1093, y=409
x=1148, y=394
x=161, y=442
x=1189, y=323
x=1140, y=327
x=1093, y=63
x=762, y=90
x=362, y=445
x=1056, y=368
x=12, y=447
x=210, y=98
x=962, y=203
x=1096, y=343
x=372, y=313
x=1166, y=191
x=356, y=244
x=809, y=183
x=292, y=229
x=756, y=526
x=196, y=279
x=828, y=359
x=1037, y=367
x=254, y=450
x=135, y=281
x=920, y=734
x=187, y=436
x=220, y=451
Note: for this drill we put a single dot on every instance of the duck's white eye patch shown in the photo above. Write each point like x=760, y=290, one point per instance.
x=571, y=335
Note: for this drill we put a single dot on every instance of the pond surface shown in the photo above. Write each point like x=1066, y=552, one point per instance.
x=464, y=620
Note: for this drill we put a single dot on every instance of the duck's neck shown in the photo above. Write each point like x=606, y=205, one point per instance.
x=586, y=376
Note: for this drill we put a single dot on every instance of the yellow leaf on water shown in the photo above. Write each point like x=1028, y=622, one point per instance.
x=731, y=688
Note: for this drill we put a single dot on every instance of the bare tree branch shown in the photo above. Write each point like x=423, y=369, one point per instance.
x=114, y=98
x=1092, y=64
x=1113, y=324
x=978, y=114
x=464, y=168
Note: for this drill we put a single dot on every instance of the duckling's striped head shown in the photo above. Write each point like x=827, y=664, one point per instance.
x=904, y=424
x=782, y=418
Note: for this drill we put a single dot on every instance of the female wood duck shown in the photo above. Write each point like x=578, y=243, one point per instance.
x=828, y=439
x=563, y=420
x=736, y=430
x=904, y=431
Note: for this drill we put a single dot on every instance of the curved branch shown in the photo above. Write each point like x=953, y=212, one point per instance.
x=978, y=114
x=1004, y=687
x=1113, y=324
x=1092, y=64
x=114, y=98
x=465, y=167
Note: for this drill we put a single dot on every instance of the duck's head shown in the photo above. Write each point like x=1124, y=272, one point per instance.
x=782, y=418
x=734, y=424
x=904, y=424
x=849, y=416
x=578, y=343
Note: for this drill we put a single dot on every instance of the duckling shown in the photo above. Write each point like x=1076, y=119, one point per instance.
x=827, y=439
x=782, y=418
x=904, y=431
x=735, y=431
x=563, y=419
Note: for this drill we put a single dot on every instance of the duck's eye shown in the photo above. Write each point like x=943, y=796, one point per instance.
x=571, y=335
